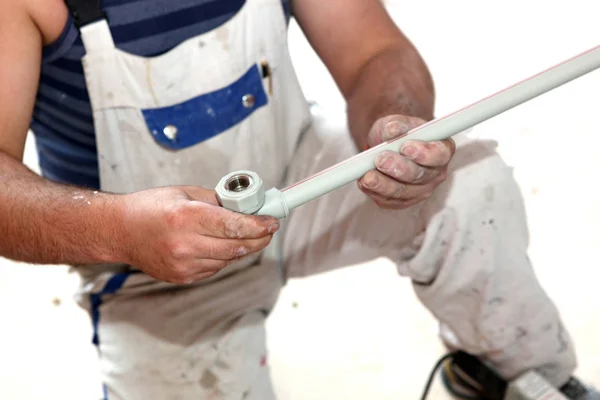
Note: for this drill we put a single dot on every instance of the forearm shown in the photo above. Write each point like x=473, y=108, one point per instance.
x=48, y=223
x=395, y=81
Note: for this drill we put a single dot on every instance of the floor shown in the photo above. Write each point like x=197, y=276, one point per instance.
x=359, y=333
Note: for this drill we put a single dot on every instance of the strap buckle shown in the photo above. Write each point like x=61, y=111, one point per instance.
x=85, y=12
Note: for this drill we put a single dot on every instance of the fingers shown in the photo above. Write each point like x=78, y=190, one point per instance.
x=208, y=256
x=221, y=223
x=383, y=188
x=390, y=127
x=207, y=268
x=401, y=169
x=230, y=249
x=204, y=247
x=429, y=154
x=397, y=203
x=196, y=271
x=201, y=276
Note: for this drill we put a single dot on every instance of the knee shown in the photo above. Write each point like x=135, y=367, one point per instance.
x=479, y=177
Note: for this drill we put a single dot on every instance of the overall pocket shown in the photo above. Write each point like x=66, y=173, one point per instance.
x=193, y=121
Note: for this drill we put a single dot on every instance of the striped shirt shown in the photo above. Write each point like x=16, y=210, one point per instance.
x=62, y=121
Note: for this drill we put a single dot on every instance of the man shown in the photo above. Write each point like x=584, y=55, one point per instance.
x=139, y=107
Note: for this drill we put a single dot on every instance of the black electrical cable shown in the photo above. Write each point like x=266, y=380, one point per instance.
x=433, y=372
x=454, y=392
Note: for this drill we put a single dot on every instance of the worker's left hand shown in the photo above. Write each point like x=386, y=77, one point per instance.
x=403, y=179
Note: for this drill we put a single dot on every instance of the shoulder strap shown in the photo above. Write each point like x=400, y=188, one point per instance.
x=85, y=11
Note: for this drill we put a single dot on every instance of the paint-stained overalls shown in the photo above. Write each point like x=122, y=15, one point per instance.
x=229, y=99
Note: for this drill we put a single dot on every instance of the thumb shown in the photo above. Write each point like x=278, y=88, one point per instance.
x=198, y=193
x=390, y=127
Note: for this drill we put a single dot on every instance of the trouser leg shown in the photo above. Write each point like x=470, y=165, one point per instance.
x=161, y=341
x=465, y=250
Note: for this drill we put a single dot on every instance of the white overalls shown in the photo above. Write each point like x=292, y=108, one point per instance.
x=227, y=100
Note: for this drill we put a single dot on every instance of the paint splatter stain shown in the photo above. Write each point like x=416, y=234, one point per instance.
x=263, y=361
x=496, y=301
x=562, y=340
x=208, y=380
x=521, y=332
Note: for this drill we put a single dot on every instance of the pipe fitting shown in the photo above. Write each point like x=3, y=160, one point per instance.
x=241, y=191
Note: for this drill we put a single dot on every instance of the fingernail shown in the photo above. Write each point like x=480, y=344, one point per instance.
x=369, y=181
x=385, y=163
x=409, y=152
x=393, y=129
x=273, y=227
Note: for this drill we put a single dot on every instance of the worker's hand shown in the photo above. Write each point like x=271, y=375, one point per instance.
x=182, y=235
x=406, y=178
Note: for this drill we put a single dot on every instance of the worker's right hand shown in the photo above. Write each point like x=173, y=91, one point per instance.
x=182, y=235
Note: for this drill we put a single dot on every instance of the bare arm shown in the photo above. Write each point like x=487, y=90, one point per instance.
x=376, y=67
x=388, y=90
x=177, y=234
x=40, y=222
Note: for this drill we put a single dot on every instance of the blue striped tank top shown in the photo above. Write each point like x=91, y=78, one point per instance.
x=62, y=121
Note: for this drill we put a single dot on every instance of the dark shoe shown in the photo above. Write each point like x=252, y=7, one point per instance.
x=576, y=390
x=467, y=378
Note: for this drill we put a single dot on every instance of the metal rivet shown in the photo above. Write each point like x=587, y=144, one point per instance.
x=248, y=101
x=170, y=132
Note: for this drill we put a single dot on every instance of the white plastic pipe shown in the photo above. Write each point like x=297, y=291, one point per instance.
x=279, y=203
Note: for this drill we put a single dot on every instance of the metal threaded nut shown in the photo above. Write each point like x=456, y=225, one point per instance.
x=241, y=191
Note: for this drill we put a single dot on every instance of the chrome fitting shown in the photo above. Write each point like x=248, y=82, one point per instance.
x=241, y=191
